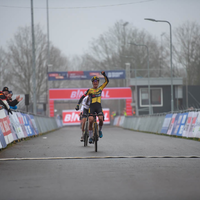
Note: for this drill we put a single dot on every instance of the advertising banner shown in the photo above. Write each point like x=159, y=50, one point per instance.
x=176, y=124
x=12, y=127
x=166, y=123
x=197, y=127
x=84, y=75
x=28, y=127
x=33, y=124
x=5, y=128
x=192, y=126
x=182, y=124
x=71, y=117
x=2, y=140
x=21, y=122
x=76, y=93
x=171, y=124
x=16, y=126
x=188, y=124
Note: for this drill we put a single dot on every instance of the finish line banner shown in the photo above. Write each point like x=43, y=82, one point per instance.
x=84, y=75
x=76, y=93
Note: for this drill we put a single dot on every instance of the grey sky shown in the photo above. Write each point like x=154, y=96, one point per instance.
x=72, y=28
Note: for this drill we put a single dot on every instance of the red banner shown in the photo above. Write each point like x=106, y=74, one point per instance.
x=4, y=126
x=71, y=117
x=76, y=93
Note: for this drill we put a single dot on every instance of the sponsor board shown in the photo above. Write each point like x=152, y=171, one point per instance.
x=176, y=124
x=171, y=126
x=191, y=133
x=16, y=127
x=71, y=117
x=26, y=121
x=197, y=127
x=166, y=123
x=5, y=128
x=182, y=124
x=83, y=75
x=76, y=93
x=187, y=125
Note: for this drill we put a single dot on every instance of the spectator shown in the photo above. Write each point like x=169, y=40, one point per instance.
x=125, y=114
x=113, y=114
x=9, y=96
x=134, y=111
x=3, y=99
x=11, y=102
x=6, y=99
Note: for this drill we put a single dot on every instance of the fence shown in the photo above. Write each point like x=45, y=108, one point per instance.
x=184, y=124
x=18, y=125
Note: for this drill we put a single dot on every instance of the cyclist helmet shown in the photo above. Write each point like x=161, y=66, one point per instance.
x=95, y=78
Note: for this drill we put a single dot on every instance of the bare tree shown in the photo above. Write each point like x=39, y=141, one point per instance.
x=112, y=50
x=2, y=68
x=19, y=62
x=187, y=51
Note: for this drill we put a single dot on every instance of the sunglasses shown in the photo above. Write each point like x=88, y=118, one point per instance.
x=95, y=81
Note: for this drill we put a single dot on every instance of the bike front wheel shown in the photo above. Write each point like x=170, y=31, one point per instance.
x=95, y=136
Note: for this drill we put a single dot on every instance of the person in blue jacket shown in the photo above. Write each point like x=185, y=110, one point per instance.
x=9, y=96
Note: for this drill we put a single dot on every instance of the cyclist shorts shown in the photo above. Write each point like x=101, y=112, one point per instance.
x=80, y=117
x=85, y=112
x=95, y=108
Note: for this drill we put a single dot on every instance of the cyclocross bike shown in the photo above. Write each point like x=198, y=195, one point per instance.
x=86, y=135
x=95, y=131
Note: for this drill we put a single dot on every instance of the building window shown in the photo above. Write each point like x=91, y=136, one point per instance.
x=156, y=97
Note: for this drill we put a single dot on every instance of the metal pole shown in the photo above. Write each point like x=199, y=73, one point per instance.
x=136, y=96
x=33, y=60
x=170, y=27
x=148, y=79
x=47, y=88
x=187, y=67
x=172, y=95
x=119, y=106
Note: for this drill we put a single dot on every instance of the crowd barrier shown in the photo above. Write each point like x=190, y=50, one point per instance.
x=21, y=125
x=185, y=124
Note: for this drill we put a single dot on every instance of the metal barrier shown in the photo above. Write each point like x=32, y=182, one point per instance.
x=181, y=124
x=19, y=125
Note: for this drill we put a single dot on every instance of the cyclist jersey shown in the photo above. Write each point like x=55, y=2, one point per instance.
x=95, y=94
x=85, y=104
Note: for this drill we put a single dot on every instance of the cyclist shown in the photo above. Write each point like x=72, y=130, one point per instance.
x=80, y=118
x=84, y=111
x=95, y=103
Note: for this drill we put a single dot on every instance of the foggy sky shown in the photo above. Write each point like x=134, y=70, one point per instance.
x=72, y=27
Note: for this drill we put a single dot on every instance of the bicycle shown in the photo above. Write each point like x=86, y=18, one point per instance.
x=86, y=135
x=95, y=131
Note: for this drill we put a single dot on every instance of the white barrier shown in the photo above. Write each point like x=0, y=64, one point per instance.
x=185, y=124
x=21, y=125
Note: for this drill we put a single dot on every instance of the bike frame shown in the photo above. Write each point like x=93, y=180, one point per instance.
x=95, y=131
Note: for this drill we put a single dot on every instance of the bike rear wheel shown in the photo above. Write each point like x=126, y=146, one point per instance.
x=86, y=134
x=95, y=136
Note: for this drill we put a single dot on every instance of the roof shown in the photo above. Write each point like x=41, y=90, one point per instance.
x=156, y=81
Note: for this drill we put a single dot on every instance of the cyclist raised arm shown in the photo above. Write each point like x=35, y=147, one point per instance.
x=95, y=103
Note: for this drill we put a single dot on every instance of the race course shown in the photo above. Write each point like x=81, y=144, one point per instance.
x=128, y=165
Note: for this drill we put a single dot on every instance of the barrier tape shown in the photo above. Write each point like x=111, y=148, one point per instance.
x=94, y=157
